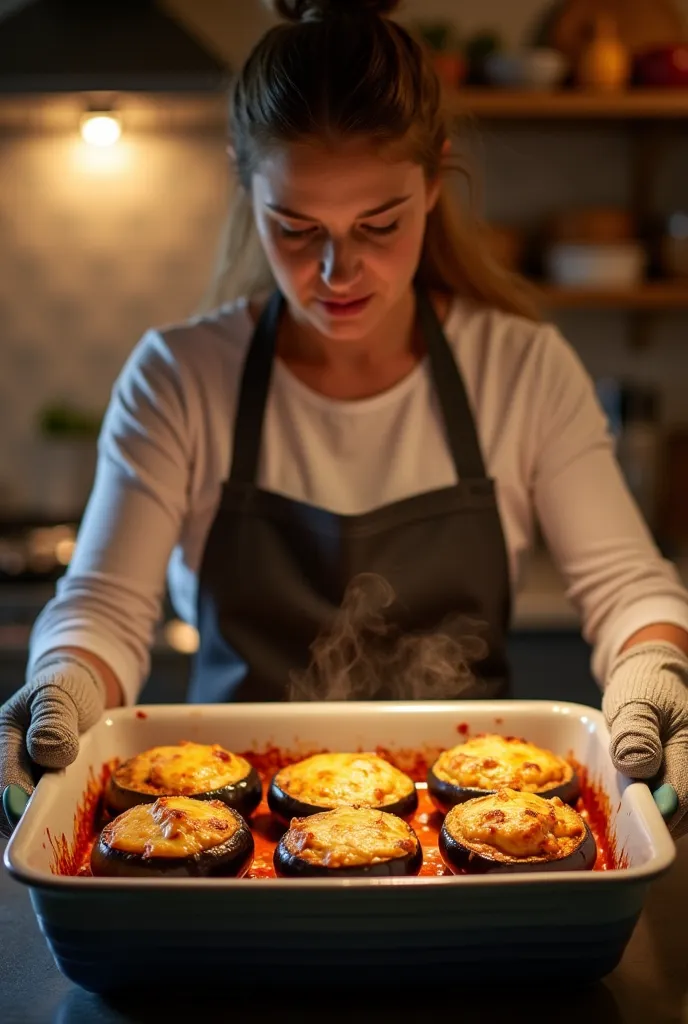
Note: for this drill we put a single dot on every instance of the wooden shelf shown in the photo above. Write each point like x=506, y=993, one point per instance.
x=655, y=295
x=639, y=104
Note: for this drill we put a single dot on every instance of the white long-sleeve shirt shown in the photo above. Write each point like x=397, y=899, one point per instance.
x=165, y=449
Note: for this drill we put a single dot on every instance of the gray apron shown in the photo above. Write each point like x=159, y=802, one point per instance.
x=276, y=572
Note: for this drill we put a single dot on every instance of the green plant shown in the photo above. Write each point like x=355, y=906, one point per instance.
x=63, y=420
x=438, y=36
x=482, y=44
x=477, y=49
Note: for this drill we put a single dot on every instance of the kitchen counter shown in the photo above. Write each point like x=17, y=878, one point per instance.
x=650, y=986
x=541, y=603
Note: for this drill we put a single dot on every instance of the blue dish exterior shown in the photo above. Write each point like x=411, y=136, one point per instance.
x=200, y=934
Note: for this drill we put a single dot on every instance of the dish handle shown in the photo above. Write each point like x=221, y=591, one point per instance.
x=665, y=797
x=14, y=801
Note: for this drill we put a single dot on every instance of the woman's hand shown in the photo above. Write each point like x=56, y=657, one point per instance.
x=646, y=707
x=41, y=725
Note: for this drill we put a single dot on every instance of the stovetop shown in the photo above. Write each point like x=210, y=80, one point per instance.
x=34, y=554
x=32, y=551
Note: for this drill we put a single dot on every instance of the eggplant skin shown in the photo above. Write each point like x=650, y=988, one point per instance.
x=288, y=865
x=242, y=796
x=459, y=858
x=446, y=795
x=231, y=859
x=286, y=807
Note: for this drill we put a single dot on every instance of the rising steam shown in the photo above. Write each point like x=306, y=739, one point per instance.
x=364, y=656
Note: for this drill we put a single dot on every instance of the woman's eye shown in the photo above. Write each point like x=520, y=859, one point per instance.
x=287, y=232
x=388, y=229
x=296, y=234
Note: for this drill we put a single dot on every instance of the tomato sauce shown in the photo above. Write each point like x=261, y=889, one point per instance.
x=73, y=857
x=594, y=807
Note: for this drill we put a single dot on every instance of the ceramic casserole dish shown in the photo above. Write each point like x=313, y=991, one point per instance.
x=106, y=933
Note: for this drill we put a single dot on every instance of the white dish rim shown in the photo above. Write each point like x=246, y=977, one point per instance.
x=639, y=793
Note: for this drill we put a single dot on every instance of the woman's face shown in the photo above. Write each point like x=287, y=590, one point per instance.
x=339, y=226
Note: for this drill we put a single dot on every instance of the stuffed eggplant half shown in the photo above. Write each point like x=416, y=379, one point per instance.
x=487, y=763
x=176, y=835
x=511, y=831
x=202, y=771
x=348, y=841
x=326, y=781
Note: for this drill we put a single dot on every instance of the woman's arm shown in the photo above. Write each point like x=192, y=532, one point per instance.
x=613, y=571
x=114, y=695
x=659, y=631
x=108, y=603
x=633, y=606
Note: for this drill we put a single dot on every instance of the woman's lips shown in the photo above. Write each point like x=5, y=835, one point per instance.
x=345, y=308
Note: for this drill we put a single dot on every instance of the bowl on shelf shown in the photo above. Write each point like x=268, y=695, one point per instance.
x=663, y=67
x=451, y=68
x=443, y=43
x=581, y=265
x=526, y=69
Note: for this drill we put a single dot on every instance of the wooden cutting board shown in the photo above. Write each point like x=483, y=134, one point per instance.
x=641, y=23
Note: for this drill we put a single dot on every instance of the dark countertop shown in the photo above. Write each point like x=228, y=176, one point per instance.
x=650, y=986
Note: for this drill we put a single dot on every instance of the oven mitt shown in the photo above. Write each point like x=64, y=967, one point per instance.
x=42, y=723
x=645, y=705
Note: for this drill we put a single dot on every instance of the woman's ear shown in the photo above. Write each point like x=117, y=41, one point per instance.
x=231, y=153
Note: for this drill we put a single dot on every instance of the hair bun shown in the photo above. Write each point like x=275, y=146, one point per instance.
x=319, y=10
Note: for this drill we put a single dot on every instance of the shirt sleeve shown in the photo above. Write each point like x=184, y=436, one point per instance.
x=109, y=600
x=614, y=574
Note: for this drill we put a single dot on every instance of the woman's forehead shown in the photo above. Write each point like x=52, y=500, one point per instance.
x=306, y=177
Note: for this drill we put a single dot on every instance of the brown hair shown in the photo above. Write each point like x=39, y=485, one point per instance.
x=337, y=69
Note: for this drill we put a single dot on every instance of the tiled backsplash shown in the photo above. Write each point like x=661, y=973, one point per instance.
x=89, y=258
x=91, y=255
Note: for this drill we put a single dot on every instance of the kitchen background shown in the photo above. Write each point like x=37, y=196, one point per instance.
x=97, y=243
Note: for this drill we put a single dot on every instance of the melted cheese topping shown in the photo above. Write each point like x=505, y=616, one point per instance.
x=509, y=824
x=339, y=780
x=350, y=837
x=488, y=762
x=173, y=826
x=185, y=769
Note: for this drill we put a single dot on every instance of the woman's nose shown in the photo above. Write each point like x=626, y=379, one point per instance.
x=340, y=266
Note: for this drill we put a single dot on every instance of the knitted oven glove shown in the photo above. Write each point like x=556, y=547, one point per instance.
x=42, y=722
x=646, y=708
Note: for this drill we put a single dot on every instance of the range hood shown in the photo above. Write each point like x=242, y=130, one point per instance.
x=102, y=45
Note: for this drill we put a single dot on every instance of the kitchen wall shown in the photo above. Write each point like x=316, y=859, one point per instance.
x=233, y=25
x=93, y=251
x=90, y=255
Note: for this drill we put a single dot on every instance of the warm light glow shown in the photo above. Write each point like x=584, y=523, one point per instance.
x=102, y=161
x=64, y=550
x=181, y=636
x=101, y=129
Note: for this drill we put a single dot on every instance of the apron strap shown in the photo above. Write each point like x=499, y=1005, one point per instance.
x=253, y=393
x=459, y=423
x=462, y=436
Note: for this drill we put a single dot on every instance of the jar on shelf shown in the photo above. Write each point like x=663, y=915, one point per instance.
x=605, y=63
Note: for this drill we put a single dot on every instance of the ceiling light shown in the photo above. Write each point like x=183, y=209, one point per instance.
x=100, y=128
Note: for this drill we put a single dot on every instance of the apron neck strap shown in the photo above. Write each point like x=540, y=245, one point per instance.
x=461, y=433
x=459, y=424
x=253, y=393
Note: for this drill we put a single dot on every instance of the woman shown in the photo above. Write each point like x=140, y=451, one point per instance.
x=348, y=429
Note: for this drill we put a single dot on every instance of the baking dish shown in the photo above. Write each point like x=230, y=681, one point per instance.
x=109, y=933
